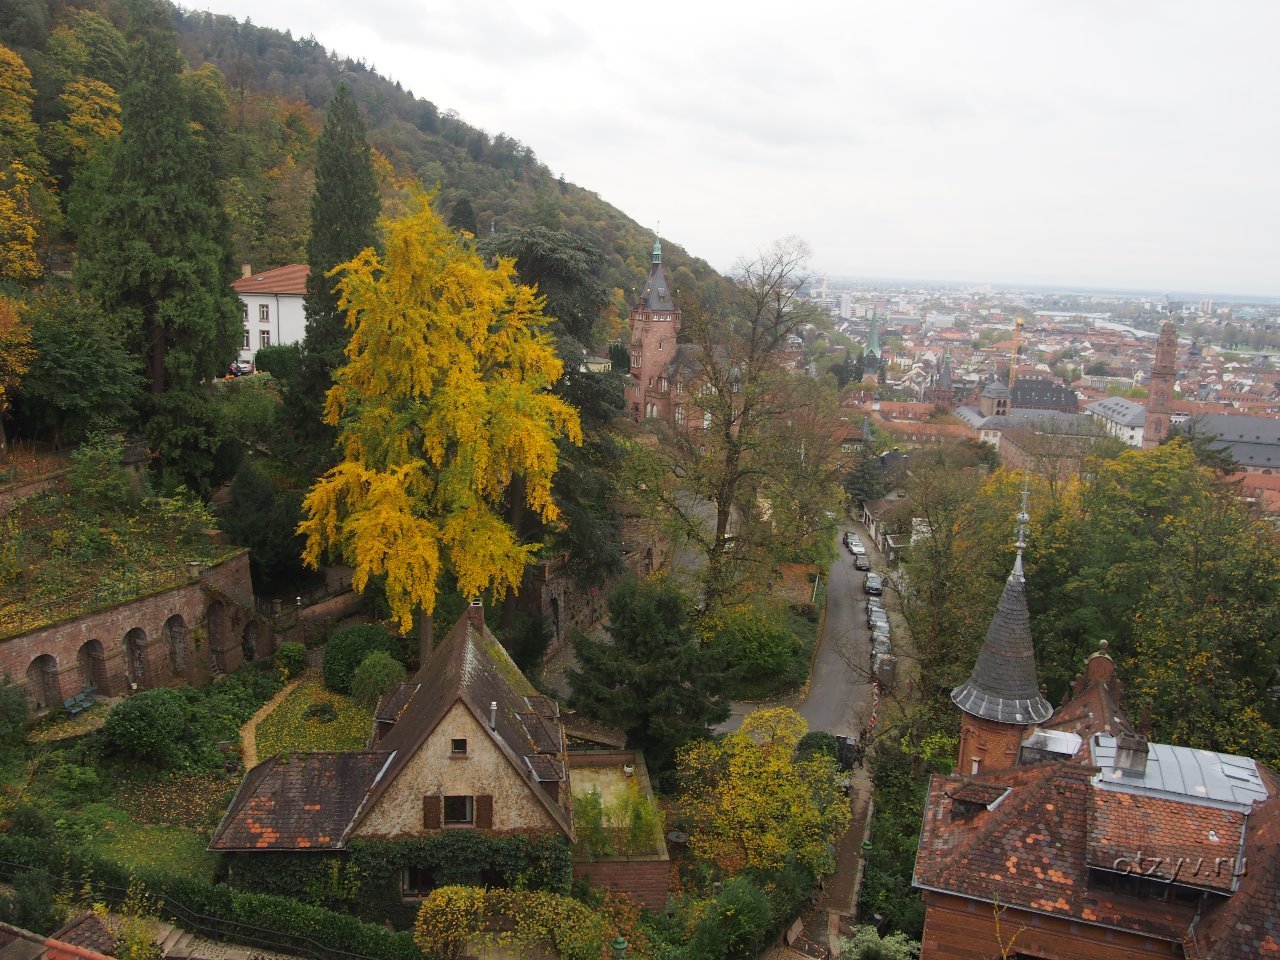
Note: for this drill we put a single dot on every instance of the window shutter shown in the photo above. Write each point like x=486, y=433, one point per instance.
x=484, y=812
x=431, y=806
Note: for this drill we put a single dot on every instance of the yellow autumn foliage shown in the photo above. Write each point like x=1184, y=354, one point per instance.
x=444, y=401
x=752, y=803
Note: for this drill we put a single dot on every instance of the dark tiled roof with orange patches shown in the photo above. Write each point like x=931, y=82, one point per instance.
x=1247, y=926
x=303, y=802
x=1030, y=851
x=1194, y=844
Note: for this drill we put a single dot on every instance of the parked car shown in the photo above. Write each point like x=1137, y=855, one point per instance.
x=860, y=562
x=239, y=368
x=853, y=542
x=880, y=648
x=878, y=618
x=873, y=585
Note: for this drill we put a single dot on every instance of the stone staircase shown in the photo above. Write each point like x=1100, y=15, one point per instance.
x=177, y=944
x=173, y=941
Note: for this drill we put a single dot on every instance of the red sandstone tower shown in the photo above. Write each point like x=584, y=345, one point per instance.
x=655, y=322
x=1160, y=391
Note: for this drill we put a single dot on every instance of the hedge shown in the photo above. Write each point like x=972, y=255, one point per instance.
x=365, y=880
x=213, y=909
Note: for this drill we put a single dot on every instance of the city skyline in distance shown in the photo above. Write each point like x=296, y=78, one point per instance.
x=1085, y=144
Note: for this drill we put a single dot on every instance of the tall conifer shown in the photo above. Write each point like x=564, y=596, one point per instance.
x=154, y=247
x=344, y=214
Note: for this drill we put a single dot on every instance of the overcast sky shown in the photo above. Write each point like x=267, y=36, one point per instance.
x=1130, y=144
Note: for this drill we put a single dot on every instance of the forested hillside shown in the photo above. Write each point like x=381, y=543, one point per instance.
x=264, y=94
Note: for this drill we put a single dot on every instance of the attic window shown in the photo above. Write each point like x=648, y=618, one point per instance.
x=458, y=811
x=458, y=747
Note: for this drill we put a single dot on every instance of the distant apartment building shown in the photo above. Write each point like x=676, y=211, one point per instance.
x=1121, y=418
x=272, y=307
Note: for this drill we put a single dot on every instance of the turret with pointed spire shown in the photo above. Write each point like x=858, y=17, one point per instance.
x=655, y=324
x=1002, y=699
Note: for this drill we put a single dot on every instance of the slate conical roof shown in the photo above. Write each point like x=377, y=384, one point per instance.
x=1003, y=685
x=657, y=292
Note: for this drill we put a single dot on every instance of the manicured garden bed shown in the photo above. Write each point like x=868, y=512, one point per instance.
x=301, y=722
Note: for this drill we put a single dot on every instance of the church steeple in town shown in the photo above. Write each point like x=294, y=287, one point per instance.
x=1164, y=371
x=1002, y=698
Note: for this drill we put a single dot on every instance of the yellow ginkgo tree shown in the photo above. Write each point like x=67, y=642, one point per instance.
x=444, y=399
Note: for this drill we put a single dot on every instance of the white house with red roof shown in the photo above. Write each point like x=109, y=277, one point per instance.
x=272, y=302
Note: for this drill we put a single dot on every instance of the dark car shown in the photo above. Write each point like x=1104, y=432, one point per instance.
x=860, y=562
x=873, y=585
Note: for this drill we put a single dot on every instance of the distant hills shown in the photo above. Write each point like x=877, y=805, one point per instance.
x=262, y=93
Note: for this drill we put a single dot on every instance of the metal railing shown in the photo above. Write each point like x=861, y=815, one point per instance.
x=213, y=928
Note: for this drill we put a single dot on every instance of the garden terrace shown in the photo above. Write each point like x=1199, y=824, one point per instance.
x=59, y=561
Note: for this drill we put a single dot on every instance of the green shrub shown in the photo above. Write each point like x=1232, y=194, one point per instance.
x=282, y=360
x=761, y=652
x=867, y=944
x=733, y=926
x=148, y=726
x=31, y=905
x=378, y=674
x=292, y=658
x=13, y=716
x=347, y=649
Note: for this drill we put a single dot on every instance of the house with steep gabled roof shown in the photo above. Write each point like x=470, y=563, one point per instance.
x=466, y=744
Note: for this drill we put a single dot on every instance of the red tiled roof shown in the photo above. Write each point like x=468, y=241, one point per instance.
x=1029, y=852
x=1247, y=926
x=291, y=280
x=303, y=801
x=1192, y=844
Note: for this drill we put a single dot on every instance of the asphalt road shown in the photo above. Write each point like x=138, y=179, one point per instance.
x=839, y=694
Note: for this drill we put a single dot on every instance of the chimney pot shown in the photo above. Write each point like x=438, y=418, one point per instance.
x=475, y=614
x=493, y=714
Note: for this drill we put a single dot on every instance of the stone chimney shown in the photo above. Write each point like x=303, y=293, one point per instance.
x=475, y=614
x=1131, y=755
x=246, y=271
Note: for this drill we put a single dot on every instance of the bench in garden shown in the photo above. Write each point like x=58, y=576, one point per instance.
x=80, y=702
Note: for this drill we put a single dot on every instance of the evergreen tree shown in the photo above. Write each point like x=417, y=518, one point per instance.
x=344, y=213
x=154, y=248
x=655, y=681
x=463, y=216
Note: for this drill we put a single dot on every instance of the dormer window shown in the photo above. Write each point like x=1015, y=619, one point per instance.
x=458, y=747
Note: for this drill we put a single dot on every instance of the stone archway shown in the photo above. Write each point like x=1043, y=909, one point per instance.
x=249, y=639
x=42, y=682
x=91, y=659
x=135, y=659
x=179, y=642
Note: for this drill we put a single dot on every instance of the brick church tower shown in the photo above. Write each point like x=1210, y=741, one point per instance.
x=1160, y=390
x=655, y=322
x=1001, y=699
